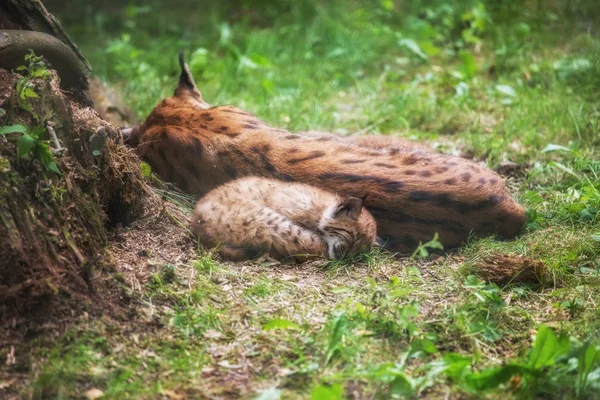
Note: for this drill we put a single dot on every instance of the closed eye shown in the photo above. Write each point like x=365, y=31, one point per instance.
x=340, y=251
x=342, y=233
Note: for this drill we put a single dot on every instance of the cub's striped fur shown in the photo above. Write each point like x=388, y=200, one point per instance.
x=412, y=194
x=251, y=216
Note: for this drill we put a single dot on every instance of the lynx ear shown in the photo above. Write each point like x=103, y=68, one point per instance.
x=187, y=86
x=350, y=207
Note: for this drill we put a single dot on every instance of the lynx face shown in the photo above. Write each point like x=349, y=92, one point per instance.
x=345, y=230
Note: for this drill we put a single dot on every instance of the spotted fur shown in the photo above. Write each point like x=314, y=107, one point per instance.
x=412, y=194
x=251, y=216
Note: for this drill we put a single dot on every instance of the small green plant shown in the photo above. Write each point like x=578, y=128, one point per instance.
x=168, y=273
x=389, y=312
x=192, y=320
x=327, y=392
x=279, y=323
x=260, y=289
x=165, y=276
x=340, y=327
x=35, y=68
x=396, y=383
x=552, y=360
x=32, y=141
x=422, y=251
x=479, y=314
x=206, y=264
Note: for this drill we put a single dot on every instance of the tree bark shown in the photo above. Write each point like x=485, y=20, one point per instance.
x=53, y=224
x=26, y=24
x=31, y=15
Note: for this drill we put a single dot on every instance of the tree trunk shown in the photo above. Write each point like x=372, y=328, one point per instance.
x=26, y=24
x=53, y=226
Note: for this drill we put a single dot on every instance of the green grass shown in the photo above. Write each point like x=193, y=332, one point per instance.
x=502, y=82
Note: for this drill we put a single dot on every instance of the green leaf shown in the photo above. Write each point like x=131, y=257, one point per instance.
x=52, y=167
x=546, y=348
x=596, y=236
x=491, y=378
x=391, y=374
x=261, y=60
x=401, y=386
x=340, y=326
x=40, y=72
x=555, y=147
x=589, y=357
x=44, y=154
x=12, y=129
x=572, y=67
x=429, y=48
x=564, y=168
x=322, y=392
x=246, y=62
x=28, y=92
x=506, y=90
x=469, y=67
x=384, y=372
x=456, y=365
x=340, y=289
x=225, y=31
x=387, y=5
x=400, y=293
x=38, y=132
x=25, y=145
x=279, y=323
x=27, y=107
x=424, y=345
x=414, y=48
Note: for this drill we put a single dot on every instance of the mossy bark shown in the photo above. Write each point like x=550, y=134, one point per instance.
x=54, y=227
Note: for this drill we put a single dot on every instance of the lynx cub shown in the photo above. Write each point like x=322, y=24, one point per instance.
x=250, y=216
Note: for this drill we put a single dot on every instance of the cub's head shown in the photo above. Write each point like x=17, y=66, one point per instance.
x=347, y=228
x=185, y=101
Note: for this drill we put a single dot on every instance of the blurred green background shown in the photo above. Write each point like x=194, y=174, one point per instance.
x=414, y=67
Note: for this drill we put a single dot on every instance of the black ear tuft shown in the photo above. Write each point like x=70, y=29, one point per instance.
x=181, y=61
x=186, y=81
